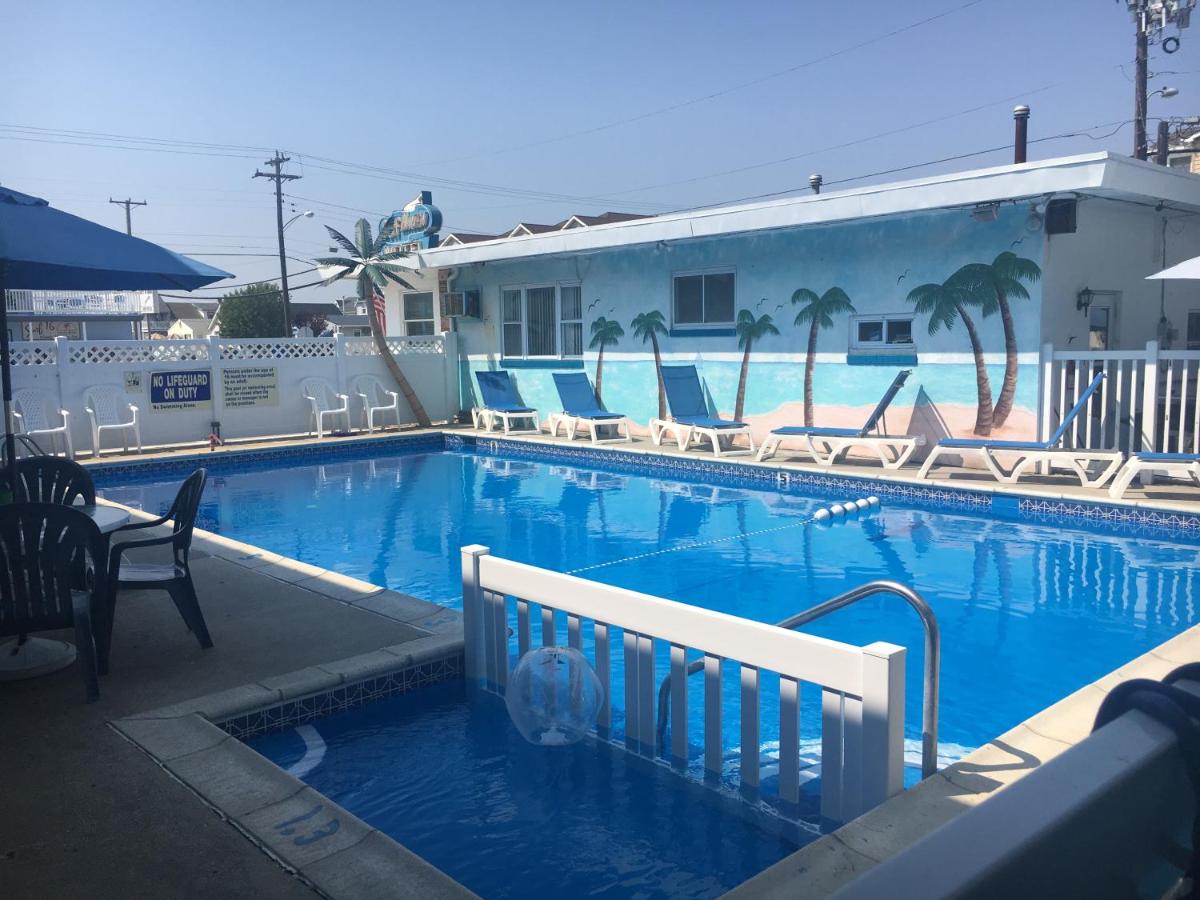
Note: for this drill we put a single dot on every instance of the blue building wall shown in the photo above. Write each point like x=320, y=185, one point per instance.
x=876, y=262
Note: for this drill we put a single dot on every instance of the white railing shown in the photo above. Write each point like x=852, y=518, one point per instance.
x=1147, y=401
x=862, y=708
x=79, y=303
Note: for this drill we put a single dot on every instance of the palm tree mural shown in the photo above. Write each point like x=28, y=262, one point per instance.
x=1001, y=281
x=817, y=314
x=749, y=330
x=370, y=267
x=944, y=303
x=605, y=333
x=648, y=326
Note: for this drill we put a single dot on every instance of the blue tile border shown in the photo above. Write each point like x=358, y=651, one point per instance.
x=291, y=713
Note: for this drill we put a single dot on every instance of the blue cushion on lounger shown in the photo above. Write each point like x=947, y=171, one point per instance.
x=1168, y=457
x=707, y=422
x=817, y=432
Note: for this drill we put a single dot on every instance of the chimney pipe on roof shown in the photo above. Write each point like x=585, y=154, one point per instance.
x=1164, y=142
x=1021, y=135
x=814, y=182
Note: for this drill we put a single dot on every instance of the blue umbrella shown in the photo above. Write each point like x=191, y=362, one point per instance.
x=47, y=249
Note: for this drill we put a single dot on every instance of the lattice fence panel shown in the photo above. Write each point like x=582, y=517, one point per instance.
x=360, y=347
x=313, y=348
x=35, y=353
x=421, y=345
x=91, y=352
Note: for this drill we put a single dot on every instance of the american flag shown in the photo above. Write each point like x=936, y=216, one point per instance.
x=380, y=308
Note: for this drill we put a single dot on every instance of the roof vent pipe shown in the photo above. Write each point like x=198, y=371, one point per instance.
x=814, y=182
x=1021, y=132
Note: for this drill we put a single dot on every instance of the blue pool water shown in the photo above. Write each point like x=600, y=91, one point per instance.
x=1029, y=612
x=456, y=784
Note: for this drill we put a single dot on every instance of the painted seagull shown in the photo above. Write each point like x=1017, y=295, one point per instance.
x=595, y=302
x=903, y=276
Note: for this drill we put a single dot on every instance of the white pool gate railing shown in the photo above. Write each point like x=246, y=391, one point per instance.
x=862, y=708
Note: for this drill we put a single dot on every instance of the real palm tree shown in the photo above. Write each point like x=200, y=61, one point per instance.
x=648, y=326
x=944, y=303
x=605, y=333
x=1000, y=281
x=749, y=330
x=817, y=314
x=369, y=265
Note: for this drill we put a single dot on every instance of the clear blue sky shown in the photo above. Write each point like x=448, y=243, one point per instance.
x=490, y=93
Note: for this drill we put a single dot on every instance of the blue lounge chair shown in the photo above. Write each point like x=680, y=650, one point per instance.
x=501, y=404
x=690, y=418
x=1030, y=453
x=581, y=409
x=1180, y=465
x=829, y=445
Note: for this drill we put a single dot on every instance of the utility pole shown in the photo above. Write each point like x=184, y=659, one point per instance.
x=1150, y=20
x=127, y=204
x=277, y=175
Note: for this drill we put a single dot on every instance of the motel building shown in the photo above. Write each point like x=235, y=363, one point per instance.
x=1083, y=233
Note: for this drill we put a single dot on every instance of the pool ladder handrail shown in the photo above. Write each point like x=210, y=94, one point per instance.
x=933, y=660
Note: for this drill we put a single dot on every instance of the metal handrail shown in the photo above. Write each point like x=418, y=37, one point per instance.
x=933, y=660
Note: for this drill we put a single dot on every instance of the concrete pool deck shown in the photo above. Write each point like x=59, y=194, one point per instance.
x=89, y=814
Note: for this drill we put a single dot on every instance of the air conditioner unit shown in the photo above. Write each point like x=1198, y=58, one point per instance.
x=462, y=304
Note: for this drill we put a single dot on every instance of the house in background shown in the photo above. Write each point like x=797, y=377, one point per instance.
x=1085, y=231
x=190, y=329
x=189, y=320
x=78, y=315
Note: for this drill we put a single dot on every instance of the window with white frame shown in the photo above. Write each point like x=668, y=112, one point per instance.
x=702, y=299
x=418, y=313
x=541, y=321
x=884, y=332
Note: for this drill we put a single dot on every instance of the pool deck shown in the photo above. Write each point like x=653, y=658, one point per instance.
x=89, y=814
x=93, y=815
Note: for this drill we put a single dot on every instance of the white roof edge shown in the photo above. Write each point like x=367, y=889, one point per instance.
x=1103, y=172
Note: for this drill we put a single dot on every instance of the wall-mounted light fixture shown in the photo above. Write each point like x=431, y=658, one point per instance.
x=1083, y=300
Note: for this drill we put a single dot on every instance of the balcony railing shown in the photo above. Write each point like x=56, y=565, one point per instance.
x=80, y=303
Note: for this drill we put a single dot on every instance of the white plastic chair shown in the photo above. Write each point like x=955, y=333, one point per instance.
x=106, y=405
x=376, y=400
x=324, y=403
x=31, y=411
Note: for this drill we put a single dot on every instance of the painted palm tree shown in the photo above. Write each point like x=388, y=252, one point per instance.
x=944, y=304
x=749, y=330
x=368, y=264
x=818, y=313
x=605, y=333
x=999, y=282
x=648, y=326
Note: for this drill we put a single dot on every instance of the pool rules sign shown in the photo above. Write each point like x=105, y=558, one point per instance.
x=171, y=391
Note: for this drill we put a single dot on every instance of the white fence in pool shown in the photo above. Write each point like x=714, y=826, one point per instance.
x=254, y=385
x=862, y=709
x=1147, y=401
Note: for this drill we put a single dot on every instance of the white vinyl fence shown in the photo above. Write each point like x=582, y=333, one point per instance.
x=253, y=385
x=1147, y=401
x=862, y=709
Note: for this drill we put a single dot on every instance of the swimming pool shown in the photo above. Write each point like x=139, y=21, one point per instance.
x=1029, y=610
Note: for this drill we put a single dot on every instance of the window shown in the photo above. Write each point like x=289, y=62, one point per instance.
x=882, y=332
x=704, y=299
x=1193, y=330
x=418, y=313
x=542, y=321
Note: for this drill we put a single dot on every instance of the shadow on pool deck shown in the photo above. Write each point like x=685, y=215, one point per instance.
x=87, y=814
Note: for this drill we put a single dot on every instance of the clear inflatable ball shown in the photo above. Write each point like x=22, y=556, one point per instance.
x=553, y=696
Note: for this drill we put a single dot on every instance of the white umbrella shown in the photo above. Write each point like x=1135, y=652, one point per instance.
x=1189, y=268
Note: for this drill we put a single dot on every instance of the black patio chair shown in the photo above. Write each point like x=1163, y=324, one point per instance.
x=39, y=546
x=51, y=479
x=174, y=577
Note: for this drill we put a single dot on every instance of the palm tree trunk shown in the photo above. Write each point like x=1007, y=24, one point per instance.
x=809, y=363
x=599, y=375
x=983, y=412
x=741, y=391
x=1008, y=387
x=662, y=387
x=393, y=367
